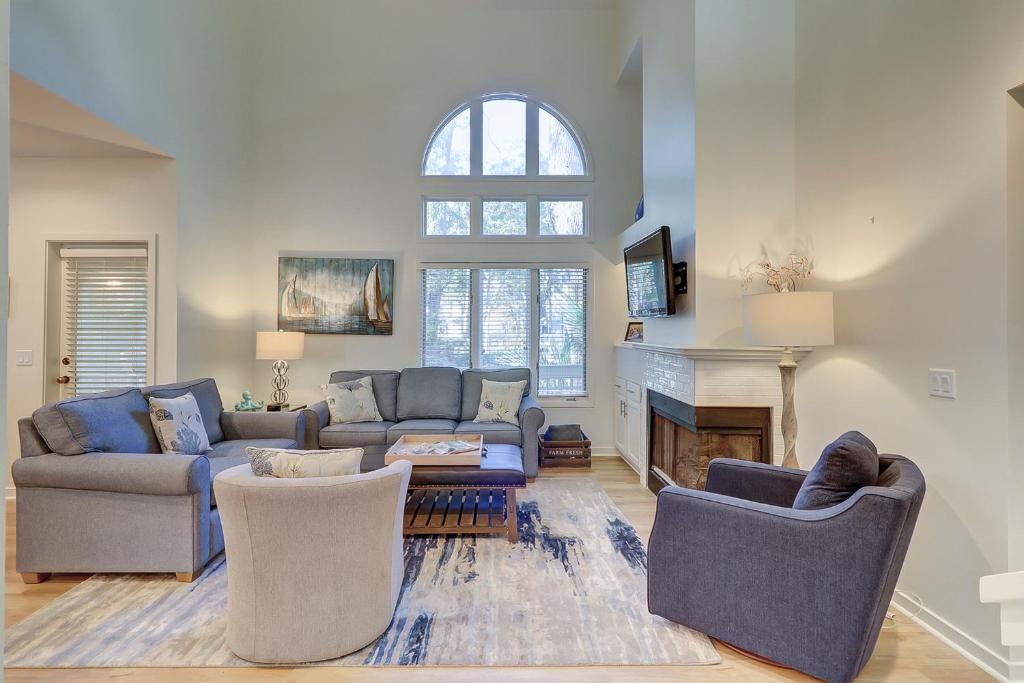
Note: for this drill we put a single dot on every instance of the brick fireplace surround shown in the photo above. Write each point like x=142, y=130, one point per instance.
x=702, y=403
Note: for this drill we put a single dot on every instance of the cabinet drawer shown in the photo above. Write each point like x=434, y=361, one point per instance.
x=634, y=391
x=620, y=385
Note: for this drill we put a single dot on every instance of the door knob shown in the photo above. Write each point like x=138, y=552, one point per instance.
x=63, y=379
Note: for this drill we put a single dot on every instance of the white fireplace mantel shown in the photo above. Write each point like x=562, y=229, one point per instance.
x=709, y=376
x=738, y=353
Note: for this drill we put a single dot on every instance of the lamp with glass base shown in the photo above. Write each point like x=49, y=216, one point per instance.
x=280, y=347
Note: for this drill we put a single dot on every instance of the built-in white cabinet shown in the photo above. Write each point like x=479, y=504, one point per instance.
x=629, y=421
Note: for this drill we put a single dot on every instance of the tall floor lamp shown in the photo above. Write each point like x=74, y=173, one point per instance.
x=789, y=319
x=280, y=347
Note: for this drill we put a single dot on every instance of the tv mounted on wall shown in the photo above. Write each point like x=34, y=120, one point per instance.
x=652, y=279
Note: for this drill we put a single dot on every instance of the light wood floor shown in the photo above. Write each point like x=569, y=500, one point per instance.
x=905, y=653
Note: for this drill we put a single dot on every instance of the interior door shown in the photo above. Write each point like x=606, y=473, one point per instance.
x=105, y=319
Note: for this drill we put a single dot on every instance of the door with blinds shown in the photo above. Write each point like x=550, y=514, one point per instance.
x=106, y=318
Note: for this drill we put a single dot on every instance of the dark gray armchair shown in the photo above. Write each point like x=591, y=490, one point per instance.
x=808, y=589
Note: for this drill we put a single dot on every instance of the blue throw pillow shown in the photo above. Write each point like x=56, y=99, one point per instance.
x=846, y=465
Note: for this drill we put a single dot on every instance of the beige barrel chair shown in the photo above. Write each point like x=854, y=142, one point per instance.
x=314, y=565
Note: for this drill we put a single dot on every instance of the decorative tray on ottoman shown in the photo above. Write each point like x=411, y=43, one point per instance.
x=437, y=450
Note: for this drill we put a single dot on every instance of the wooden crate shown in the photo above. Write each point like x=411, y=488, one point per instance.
x=564, y=453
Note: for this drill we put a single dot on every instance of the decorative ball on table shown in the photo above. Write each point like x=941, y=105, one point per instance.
x=247, y=404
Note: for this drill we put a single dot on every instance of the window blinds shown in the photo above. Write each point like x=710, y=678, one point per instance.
x=105, y=319
x=562, y=321
x=516, y=317
x=504, y=318
x=446, y=317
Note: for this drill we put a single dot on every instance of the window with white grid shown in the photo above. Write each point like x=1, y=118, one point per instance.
x=486, y=316
x=476, y=161
x=105, y=319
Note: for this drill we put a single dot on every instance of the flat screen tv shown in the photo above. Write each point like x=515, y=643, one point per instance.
x=651, y=280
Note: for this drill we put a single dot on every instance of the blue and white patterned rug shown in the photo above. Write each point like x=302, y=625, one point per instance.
x=571, y=592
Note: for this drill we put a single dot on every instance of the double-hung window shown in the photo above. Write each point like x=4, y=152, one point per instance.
x=516, y=315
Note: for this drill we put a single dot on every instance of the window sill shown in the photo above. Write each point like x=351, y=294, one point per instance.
x=504, y=239
x=566, y=402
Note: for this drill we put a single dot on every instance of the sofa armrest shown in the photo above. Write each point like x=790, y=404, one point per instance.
x=155, y=474
x=531, y=420
x=754, y=481
x=322, y=414
x=264, y=425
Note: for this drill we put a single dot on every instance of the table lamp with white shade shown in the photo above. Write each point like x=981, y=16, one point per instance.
x=789, y=319
x=280, y=347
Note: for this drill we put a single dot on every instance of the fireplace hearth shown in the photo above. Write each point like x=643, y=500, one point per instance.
x=683, y=439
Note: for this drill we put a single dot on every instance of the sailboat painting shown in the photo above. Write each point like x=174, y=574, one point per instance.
x=335, y=295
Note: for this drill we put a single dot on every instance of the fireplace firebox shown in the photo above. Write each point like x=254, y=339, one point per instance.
x=683, y=439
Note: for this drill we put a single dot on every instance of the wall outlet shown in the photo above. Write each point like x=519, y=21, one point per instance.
x=941, y=383
x=23, y=358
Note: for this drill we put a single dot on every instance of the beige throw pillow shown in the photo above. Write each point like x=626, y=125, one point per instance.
x=352, y=401
x=499, y=401
x=291, y=464
x=179, y=425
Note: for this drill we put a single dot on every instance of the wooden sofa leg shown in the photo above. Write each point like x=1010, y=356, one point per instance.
x=186, y=577
x=34, y=577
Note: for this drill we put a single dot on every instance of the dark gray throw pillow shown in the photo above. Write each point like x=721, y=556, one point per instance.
x=847, y=464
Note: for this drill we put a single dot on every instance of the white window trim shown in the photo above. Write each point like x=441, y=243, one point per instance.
x=476, y=186
x=545, y=401
x=55, y=242
x=476, y=234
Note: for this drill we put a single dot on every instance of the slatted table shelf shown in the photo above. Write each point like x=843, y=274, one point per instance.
x=437, y=510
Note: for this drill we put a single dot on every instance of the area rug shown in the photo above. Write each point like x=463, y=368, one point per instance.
x=571, y=592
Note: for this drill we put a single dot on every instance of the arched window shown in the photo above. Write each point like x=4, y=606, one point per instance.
x=479, y=156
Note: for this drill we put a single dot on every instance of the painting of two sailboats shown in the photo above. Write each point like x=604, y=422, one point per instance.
x=335, y=295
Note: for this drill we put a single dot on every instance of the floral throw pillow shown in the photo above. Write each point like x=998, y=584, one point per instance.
x=290, y=464
x=179, y=425
x=352, y=401
x=499, y=401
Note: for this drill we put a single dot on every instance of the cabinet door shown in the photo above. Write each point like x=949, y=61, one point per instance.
x=635, y=427
x=621, y=426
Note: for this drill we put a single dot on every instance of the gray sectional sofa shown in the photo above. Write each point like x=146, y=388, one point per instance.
x=430, y=401
x=95, y=494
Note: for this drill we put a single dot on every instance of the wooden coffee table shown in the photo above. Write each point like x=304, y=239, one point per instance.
x=467, y=499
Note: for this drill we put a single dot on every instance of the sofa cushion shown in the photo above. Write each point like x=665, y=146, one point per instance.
x=115, y=421
x=385, y=388
x=846, y=465
x=178, y=425
x=351, y=401
x=433, y=426
x=430, y=393
x=236, y=447
x=355, y=434
x=207, y=396
x=494, y=432
x=472, y=385
x=218, y=465
x=286, y=463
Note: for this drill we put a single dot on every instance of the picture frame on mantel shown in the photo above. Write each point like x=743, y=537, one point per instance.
x=634, y=332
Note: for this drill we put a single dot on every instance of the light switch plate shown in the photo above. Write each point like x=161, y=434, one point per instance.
x=23, y=358
x=941, y=383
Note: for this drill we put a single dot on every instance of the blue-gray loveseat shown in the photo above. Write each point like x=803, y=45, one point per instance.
x=95, y=494
x=430, y=401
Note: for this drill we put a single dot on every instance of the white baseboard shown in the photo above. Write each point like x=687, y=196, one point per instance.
x=994, y=664
x=604, y=452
